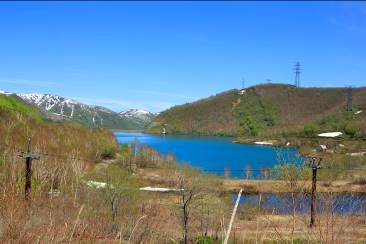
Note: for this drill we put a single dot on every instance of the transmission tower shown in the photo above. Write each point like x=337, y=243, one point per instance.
x=297, y=74
x=349, y=99
x=243, y=84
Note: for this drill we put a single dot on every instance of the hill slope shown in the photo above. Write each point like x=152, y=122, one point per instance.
x=263, y=110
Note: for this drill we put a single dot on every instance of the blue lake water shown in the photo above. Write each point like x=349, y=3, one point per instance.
x=213, y=154
x=344, y=203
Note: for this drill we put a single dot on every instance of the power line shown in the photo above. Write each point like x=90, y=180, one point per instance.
x=265, y=168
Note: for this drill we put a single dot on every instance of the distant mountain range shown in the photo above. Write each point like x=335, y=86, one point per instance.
x=59, y=108
x=139, y=116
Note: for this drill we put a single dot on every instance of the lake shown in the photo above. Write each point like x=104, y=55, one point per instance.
x=342, y=203
x=214, y=154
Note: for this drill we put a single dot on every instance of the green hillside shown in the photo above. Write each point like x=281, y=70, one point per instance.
x=267, y=109
x=9, y=104
x=20, y=121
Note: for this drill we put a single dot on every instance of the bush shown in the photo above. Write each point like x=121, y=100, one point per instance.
x=204, y=240
x=351, y=129
x=359, y=181
x=309, y=129
x=107, y=149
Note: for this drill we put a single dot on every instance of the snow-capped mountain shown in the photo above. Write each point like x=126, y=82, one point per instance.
x=59, y=108
x=139, y=115
x=5, y=93
x=53, y=104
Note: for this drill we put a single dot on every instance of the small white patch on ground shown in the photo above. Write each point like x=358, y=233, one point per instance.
x=321, y=148
x=358, y=112
x=357, y=154
x=263, y=143
x=96, y=184
x=158, y=189
x=330, y=134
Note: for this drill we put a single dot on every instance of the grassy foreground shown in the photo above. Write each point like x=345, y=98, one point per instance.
x=85, y=189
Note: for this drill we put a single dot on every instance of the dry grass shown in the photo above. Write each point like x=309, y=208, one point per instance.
x=80, y=214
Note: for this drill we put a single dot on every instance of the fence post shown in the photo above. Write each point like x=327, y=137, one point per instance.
x=29, y=156
x=314, y=164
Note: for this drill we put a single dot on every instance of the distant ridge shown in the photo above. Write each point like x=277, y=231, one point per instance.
x=58, y=108
x=139, y=116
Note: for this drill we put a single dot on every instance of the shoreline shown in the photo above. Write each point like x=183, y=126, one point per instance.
x=280, y=187
x=159, y=178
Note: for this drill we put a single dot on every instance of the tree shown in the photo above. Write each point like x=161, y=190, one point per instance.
x=294, y=176
x=193, y=188
x=248, y=171
x=265, y=171
x=117, y=187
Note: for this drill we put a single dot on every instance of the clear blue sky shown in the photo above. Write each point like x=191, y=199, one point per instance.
x=154, y=55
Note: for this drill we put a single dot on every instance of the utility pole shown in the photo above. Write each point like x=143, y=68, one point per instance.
x=297, y=74
x=314, y=164
x=349, y=99
x=29, y=156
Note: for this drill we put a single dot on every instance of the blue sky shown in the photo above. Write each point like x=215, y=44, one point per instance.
x=154, y=55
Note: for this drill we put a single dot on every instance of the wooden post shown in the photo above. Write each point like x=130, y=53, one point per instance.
x=29, y=156
x=313, y=197
x=232, y=217
x=314, y=164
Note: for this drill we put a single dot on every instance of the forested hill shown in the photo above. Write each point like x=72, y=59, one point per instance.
x=267, y=109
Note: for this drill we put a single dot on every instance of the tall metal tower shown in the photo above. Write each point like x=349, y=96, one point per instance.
x=297, y=74
x=243, y=84
x=349, y=99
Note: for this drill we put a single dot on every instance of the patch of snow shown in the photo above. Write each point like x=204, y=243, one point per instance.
x=358, y=112
x=263, y=143
x=96, y=184
x=321, y=148
x=159, y=189
x=242, y=91
x=54, y=192
x=330, y=134
x=72, y=111
x=135, y=112
x=357, y=154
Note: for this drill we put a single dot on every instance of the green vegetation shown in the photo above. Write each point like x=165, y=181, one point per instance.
x=268, y=111
x=211, y=116
x=12, y=104
x=228, y=113
x=345, y=122
x=254, y=114
x=86, y=188
x=121, y=188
